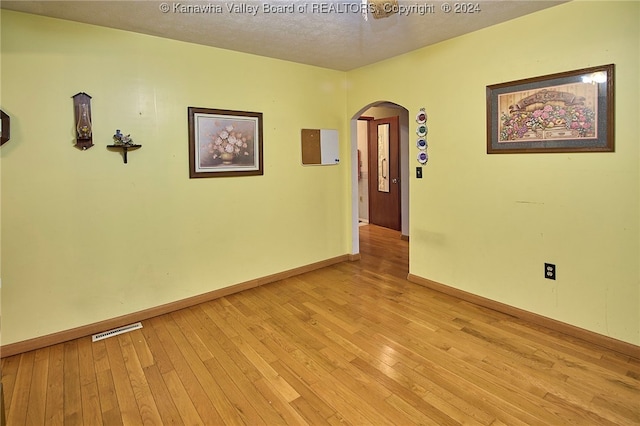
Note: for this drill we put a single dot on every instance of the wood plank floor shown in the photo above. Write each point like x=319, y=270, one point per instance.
x=354, y=343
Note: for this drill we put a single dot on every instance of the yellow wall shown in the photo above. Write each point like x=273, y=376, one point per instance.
x=87, y=238
x=487, y=223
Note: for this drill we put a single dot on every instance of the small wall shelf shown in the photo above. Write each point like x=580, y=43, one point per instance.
x=5, y=129
x=124, y=149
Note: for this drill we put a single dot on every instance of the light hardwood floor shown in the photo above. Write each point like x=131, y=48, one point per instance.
x=354, y=343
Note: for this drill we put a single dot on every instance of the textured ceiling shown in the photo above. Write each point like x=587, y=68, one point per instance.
x=329, y=34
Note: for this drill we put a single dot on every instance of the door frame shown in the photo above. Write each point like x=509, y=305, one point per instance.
x=403, y=113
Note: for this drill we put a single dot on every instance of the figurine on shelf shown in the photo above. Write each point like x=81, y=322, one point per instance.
x=121, y=139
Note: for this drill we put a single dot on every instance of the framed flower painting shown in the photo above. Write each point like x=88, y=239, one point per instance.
x=224, y=143
x=565, y=112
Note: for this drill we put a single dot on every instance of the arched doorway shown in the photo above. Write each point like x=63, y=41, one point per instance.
x=377, y=110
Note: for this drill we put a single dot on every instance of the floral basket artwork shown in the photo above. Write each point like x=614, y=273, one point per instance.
x=567, y=112
x=224, y=143
x=548, y=121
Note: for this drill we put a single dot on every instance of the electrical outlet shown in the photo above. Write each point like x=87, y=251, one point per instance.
x=550, y=271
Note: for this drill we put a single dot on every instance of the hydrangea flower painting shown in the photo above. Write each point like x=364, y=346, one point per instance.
x=227, y=144
x=224, y=143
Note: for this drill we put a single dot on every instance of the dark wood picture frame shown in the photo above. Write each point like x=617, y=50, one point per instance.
x=224, y=143
x=571, y=111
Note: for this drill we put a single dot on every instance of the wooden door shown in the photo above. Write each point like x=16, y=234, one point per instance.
x=384, y=172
